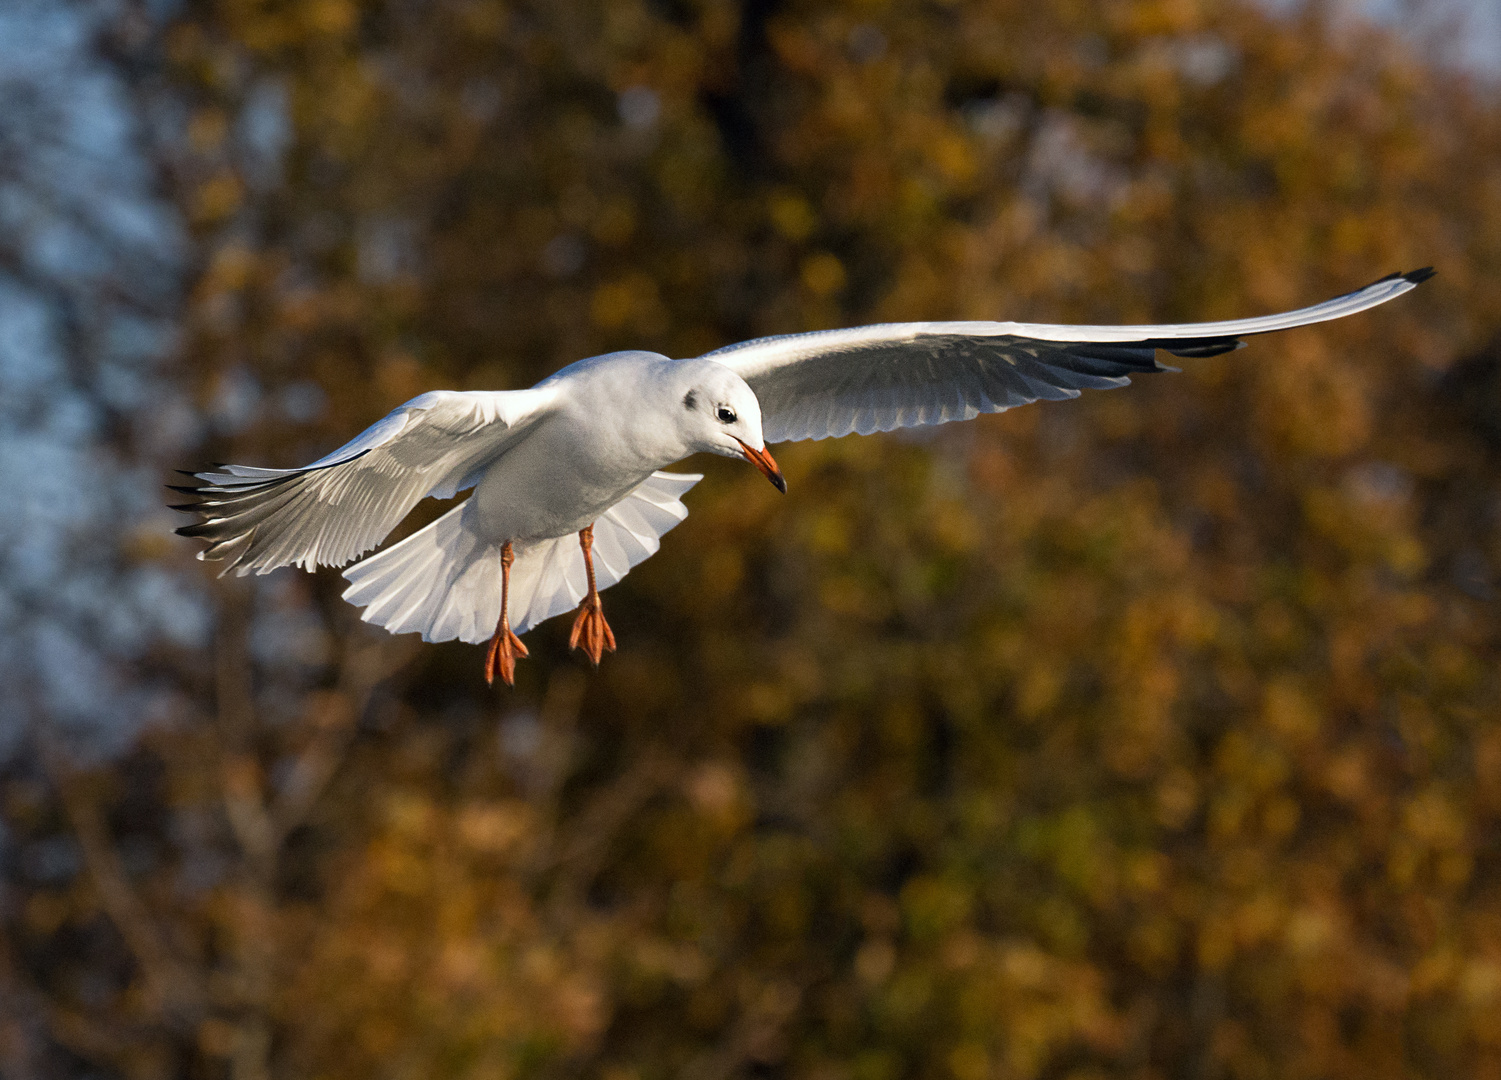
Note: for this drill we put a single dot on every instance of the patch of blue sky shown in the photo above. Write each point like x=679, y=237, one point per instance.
x=34, y=32
x=172, y=610
x=79, y=695
x=266, y=127
x=48, y=489
x=76, y=211
x=1465, y=33
x=29, y=360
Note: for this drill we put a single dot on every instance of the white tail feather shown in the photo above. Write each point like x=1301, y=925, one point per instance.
x=444, y=581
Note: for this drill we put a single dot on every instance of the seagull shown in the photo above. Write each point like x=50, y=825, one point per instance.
x=578, y=458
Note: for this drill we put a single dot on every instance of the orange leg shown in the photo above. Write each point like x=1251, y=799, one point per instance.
x=590, y=631
x=505, y=646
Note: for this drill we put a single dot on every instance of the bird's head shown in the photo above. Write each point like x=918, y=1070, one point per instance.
x=720, y=415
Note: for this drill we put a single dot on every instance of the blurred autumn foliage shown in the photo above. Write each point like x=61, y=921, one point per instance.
x=1156, y=734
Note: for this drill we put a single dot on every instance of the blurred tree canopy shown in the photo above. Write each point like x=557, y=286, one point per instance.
x=1156, y=734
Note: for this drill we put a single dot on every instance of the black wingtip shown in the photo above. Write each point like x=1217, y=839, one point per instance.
x=1417, y=277
x=1200, y=350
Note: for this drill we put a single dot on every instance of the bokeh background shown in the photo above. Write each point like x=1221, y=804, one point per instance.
x=1154, y=734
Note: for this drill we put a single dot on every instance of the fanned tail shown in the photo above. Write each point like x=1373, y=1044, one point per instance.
x=444, y=581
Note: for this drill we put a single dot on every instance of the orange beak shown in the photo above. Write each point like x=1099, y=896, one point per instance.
x=767, y=464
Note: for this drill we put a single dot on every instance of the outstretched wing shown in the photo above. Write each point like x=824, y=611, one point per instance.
x=344, y=504
x=876, y=378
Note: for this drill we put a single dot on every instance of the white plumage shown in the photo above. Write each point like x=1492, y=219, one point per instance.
x=584, y=448
x=345, y=503
x=442, y=582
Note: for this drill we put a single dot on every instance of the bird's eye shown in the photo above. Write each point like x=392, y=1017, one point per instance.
x=725, y=414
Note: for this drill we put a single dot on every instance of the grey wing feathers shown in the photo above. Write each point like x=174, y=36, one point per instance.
x=933, y=380
x=344, y=504
x=876, y=378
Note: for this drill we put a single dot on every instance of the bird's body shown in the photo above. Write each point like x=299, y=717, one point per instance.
x=553, y=483
x=580, y=454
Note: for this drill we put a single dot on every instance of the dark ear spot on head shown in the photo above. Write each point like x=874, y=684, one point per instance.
x=690, y=400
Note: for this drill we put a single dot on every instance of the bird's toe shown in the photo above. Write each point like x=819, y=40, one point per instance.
x=591, y=632
x=500, y=659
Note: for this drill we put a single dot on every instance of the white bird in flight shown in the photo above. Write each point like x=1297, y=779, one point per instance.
x=580, y=454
